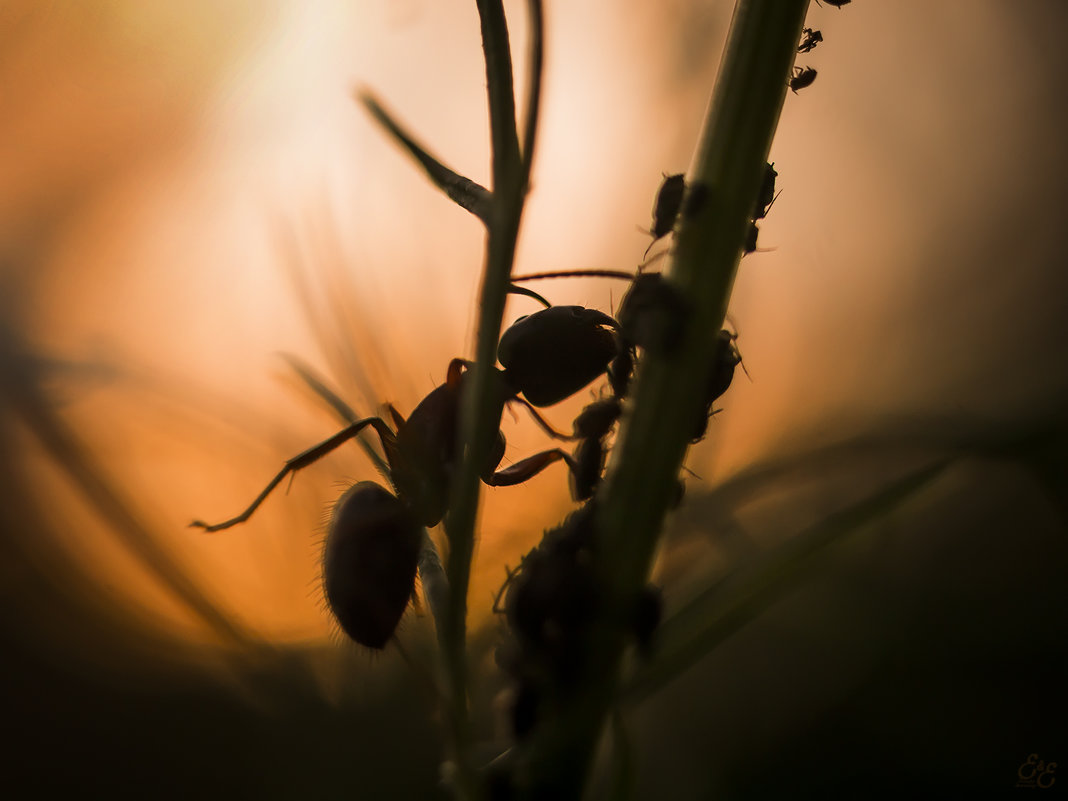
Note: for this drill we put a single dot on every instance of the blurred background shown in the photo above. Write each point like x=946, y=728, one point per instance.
x=190, y=199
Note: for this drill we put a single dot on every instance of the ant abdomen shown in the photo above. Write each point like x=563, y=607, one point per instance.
x=369, y=562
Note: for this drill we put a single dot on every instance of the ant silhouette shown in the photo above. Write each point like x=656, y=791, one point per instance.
x=372, y=545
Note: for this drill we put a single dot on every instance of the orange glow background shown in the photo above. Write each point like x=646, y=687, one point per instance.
x=188, y=191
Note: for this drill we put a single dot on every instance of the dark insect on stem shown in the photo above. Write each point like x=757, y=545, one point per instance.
x=727, y=357
x=666, y=207
x=835, y=3
x=653, y=314
x=802, y=77
x=592, y=427
x=551, y=601
x=751, y=235
x=767, y=193
x=809, y=39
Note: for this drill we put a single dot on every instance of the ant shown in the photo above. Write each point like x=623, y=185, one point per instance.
x=802, y=78
x=374, y=535
x=576, y=344
x=809, y=40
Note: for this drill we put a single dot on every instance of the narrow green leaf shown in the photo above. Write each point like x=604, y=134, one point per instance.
x=463, y=191
x=721, y=610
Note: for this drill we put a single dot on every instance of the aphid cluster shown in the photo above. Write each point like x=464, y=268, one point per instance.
x=806, y=76
x=675, y=197
x=551, y=604
x=551, y=600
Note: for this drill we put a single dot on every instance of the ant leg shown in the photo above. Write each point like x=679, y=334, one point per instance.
x=302, y=460
x=544, y=424
x=527, y=468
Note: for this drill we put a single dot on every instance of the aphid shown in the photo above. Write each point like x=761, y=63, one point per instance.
x=835, y=3
x=551, y=603
x=587, y=466
x=620, y=371
x=725, y=359
x=767, y=193
x=666, y=206
x=809, y=39
x=653, y=314
x=751, y=235
x=802, y=77
x=597, y=419
x=369, y=562
x=550, y=600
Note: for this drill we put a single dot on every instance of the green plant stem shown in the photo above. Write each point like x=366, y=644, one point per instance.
x=480, y=418
x=504, y=135
x=537, y=56
x=669, y=390
x=669, y=395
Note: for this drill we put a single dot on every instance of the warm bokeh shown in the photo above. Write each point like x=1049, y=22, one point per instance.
x=188, y=191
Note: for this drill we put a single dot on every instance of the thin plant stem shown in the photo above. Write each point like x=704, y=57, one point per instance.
x=480, y=416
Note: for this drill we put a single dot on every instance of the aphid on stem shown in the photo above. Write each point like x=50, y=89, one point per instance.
x=666, y=206
x=802, y=77
x=809, y=39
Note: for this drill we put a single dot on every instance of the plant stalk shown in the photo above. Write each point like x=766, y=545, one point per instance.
x=480, y=417
x=669, y=390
